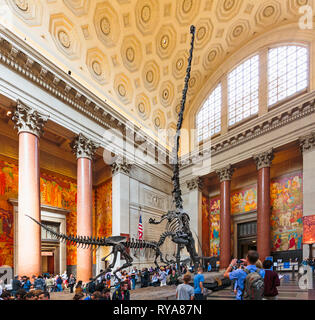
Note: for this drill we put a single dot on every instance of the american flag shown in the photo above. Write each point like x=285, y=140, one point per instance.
x=140, y=229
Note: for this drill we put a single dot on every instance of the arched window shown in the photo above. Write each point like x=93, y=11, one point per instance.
x=287, y=72
x=209, y=117
x=243, y=90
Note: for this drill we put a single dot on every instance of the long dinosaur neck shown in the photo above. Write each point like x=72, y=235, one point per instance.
x=177, y=193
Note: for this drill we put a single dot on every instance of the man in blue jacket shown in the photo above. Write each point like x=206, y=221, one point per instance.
x=240, y=274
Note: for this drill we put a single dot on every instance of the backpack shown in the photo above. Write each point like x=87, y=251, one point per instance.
x=91, y=287
x=253, y=285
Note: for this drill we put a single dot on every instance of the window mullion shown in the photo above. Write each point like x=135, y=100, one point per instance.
x=263, y=81
x=224, y=109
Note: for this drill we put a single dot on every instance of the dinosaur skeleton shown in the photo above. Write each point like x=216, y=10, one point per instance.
x=119, y=244
x=178, y=220
x=178, y=228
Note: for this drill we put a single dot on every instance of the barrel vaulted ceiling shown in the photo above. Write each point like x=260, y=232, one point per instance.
x=133, y=53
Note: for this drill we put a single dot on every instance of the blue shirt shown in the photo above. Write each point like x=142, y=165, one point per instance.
x=240, y=276
x=198, y=278
x=209, y=267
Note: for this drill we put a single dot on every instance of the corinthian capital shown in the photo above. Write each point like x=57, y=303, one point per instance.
x=121, y=166
x=264, y=159
x=307, y=143
x=27, y=119
x=225, y=174
x=195, y=183
x=83, y=147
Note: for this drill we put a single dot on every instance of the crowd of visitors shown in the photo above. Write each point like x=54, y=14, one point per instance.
x=251, y=280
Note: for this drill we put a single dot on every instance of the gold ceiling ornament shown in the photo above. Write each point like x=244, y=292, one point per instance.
x=158, y=119
x=179, y=64
x=64, y=38
x=29, y=11
x=212, y=57
x=167, y=93
x=143, y=106
x=64, y=34
x=146, y=14
x=106, y=23
x=98, y=65
x=151, y=75
x=22, y=4
x=187, y=10
x=78, y=7
x=123, y=88
x=268, y=14
x=226, y=10
x=238, y=32
x=204, y=29
x=166, y=41
x=131, y=53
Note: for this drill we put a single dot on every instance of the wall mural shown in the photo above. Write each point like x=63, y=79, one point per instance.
x=103, y=212
x=244, y=200
x=58, y=192
x=8, y=189
x=205, y=226
x=215, y=226
x=62, y=193
x=309, y=229
x=287, y=212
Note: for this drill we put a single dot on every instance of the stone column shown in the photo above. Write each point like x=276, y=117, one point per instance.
x=225, y=175
x=120, y=198
x=193, y=207
x=30, y=124
x=307, y=145
x=263, y=164
x=84, y=150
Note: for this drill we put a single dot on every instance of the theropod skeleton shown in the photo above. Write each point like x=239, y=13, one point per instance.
x=178, y=228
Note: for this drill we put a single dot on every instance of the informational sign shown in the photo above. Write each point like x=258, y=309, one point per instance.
x=309, y=229
x=47, y=254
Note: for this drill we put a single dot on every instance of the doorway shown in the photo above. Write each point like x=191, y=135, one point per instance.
x=246, y=238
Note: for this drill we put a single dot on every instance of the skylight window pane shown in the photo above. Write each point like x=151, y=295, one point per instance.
x=212, y=115
x=287, y=72
x=243, y=90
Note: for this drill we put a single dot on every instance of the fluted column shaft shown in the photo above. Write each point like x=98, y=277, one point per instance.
x=30, y=125
x=225, y=176
x=263, y=163
x=84, y=150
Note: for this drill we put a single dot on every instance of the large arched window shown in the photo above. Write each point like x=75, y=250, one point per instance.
x=243, y=90
x=287, y=72
x=209, y=116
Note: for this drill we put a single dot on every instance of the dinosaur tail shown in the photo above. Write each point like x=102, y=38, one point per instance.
x=164, y=236
x=72, y=240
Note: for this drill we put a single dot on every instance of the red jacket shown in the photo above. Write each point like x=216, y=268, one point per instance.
x=272, y=281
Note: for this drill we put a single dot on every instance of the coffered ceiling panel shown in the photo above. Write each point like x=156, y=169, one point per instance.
x=133, y=53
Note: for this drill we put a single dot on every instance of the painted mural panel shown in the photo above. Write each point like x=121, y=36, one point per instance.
x=287, y=212
x=62, y=193
x=103, y=212
x=205, y=226
x=244, y=200
x=8, y=189
x=309, y=229
x=215, y=226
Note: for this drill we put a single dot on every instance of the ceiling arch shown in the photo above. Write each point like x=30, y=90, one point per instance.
x=135, y=52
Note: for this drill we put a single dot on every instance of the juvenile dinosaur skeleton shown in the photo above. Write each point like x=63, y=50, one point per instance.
x=178, y=228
